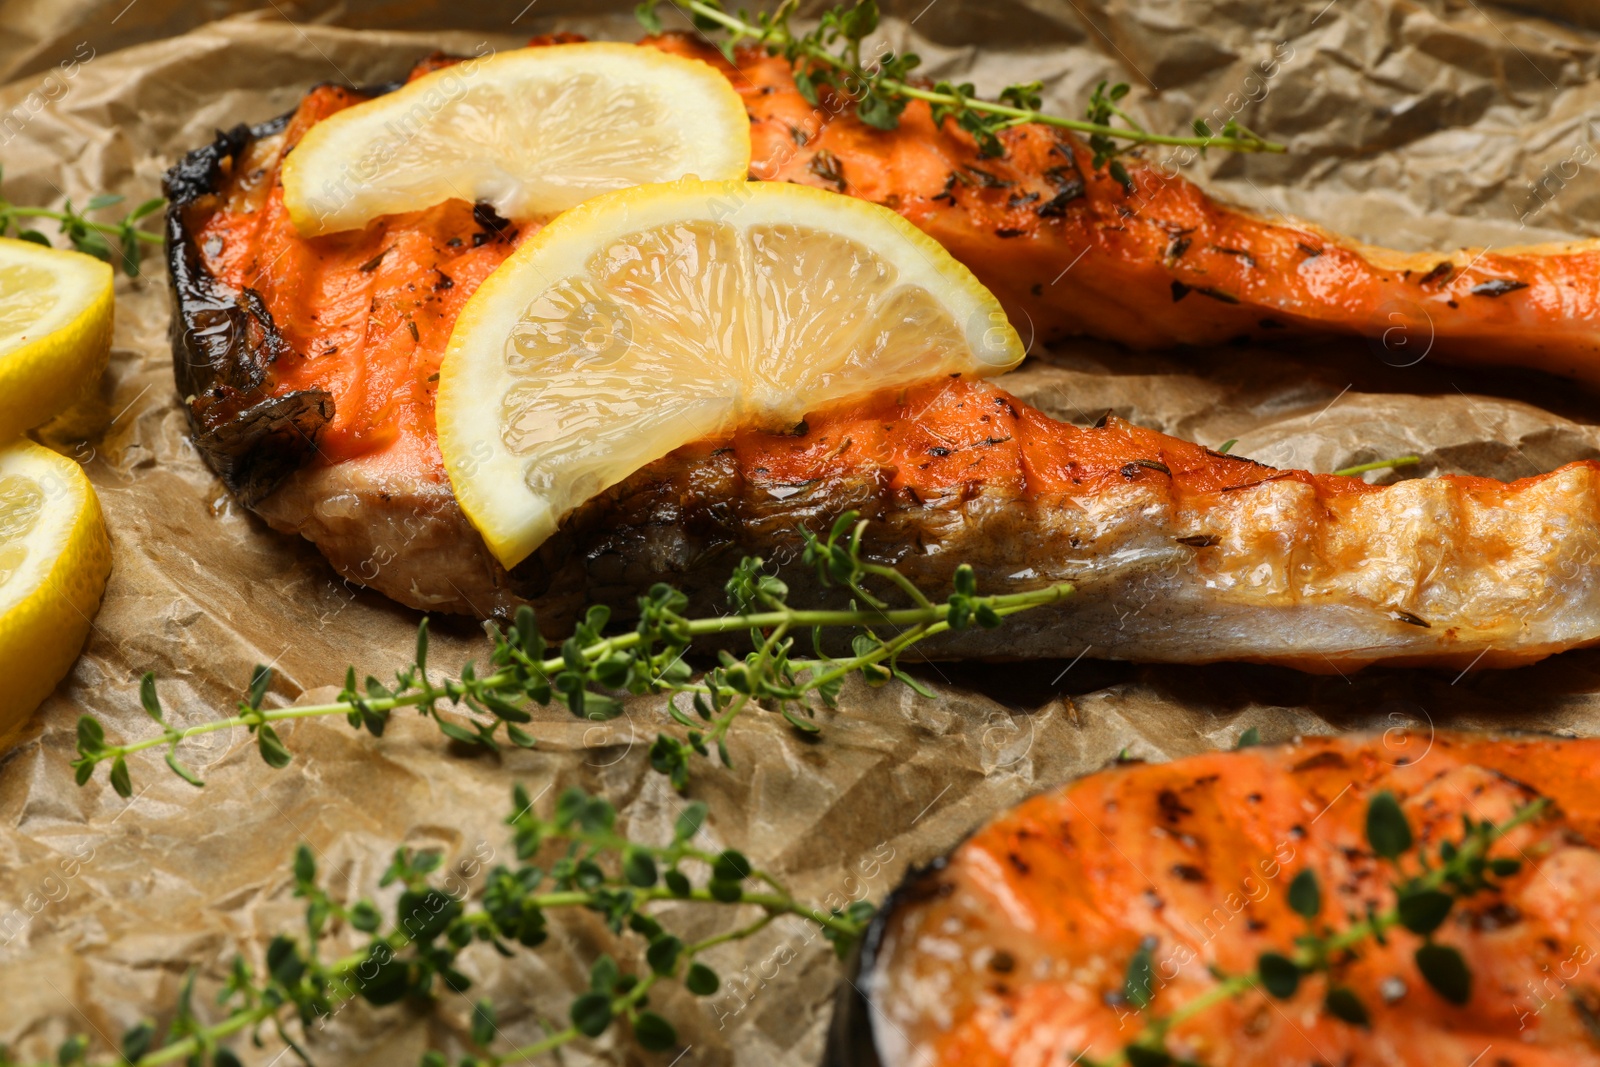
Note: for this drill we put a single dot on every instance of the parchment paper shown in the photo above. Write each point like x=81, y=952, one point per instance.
x=1412, y=123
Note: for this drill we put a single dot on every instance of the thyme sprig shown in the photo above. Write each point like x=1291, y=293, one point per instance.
x=84, y=234
x=1378, y=465
x=882, y=86
x=1426, y=891
x=413, y=952
x=588, y=670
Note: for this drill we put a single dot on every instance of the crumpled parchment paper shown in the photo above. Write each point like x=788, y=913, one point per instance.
x=1411, y=123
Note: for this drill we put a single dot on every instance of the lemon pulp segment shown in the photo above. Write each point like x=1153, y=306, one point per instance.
x=54, y=561
x=533, y=132
x=55, y=331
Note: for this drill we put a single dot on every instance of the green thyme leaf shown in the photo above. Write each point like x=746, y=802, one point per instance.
x=701, y=980
x=604, y=975
x=1343, y=1004
x=647, y=16
x=119, y=778
x=137, y=1040
x=1445, y=971
x=653, y=1032
x=272, y=749
x=1305, y=894
x=639, y=867
x=91, y=736
x=147, y=696
x=1388, y=832
x=72, y=1051
x=260, y=680
x=1138, y=983
x=662, y=955
x=690, y=819
x=1423, y=910
x=1279, y=974
x=591, y=1013
x=484, y=1027
x=1147, y=1056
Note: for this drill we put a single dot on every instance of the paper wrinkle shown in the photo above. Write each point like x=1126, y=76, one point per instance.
x=1415, y=123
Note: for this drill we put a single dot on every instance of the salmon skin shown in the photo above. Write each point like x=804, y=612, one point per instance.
x=310, y=367
x=1013, y=949
x=1070, y=250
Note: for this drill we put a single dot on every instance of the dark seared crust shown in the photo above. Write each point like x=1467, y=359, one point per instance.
x=223, y=343
x=851, y=1041
x=688, y=519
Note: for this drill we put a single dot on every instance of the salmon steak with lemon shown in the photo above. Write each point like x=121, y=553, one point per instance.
x=1133, y=916
x=468, y=411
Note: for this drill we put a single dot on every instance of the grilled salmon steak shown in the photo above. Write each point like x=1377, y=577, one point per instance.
x=1015, y=950
x=310, y=367
x=1179, y=554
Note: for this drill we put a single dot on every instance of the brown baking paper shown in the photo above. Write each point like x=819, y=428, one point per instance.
x=1413, y=124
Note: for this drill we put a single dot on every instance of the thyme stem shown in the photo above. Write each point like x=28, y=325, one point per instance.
x=431, y=927
x=592, y=665
x=852, y=25
x=1378, y=465
x=84, y=234
x=108, y=228
x=781, y=621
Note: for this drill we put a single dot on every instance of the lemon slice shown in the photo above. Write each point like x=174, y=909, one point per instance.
x=656, y=316
x=54, y=560
x=532, y=132
x=55, y=331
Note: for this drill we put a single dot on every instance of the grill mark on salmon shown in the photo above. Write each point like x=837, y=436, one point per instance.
x=1012, y=950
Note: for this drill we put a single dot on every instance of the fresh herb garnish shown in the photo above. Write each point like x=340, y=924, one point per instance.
x=1425, y=894
x=586, y=670
x=880, y=87
x=84, y=234
x=1378, y=465
x=413, y=953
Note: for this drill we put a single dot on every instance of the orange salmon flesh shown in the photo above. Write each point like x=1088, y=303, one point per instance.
x=1013, y=952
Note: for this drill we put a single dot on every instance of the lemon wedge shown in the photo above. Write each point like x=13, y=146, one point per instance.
x=54, y=560
x=55, y=331
x=533, y=132
x=652, y=317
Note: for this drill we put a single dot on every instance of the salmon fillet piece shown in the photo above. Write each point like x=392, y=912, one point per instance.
x=1070, y=251
x=1013, y=950
x=1179, y=554
x=310, y=368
